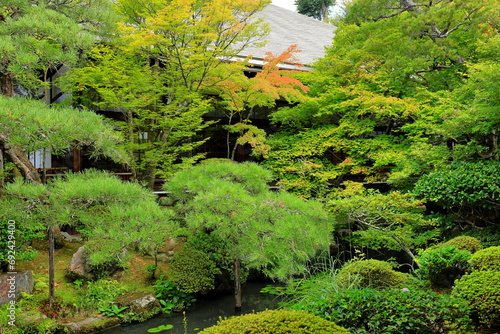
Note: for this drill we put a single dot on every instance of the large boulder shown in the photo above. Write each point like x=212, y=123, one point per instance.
x=79, y=267
x=137, y=301
x=11, y=285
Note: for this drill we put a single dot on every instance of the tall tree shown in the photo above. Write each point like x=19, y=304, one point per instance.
x=274, y=232
x=115, y=215
x=393, y=221
x=37, y=37
x=319, y=9
x=172, y=60
x=28, y=125
x=387, y=94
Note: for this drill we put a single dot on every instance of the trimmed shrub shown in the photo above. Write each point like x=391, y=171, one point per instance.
x=481, y=290
x=486, y=259
x=464, y=242
x=371, y=274
x=192, y=271
x=443, y=265
x=275, y=322
x=366, y=311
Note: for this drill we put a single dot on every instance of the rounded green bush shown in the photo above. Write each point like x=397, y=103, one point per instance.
x=481, y=290
x=192, y=271
x=390, y=311
x=443, y=265
x=464, y=242
x=371, y=273
x=275, y=322
x=486, y=259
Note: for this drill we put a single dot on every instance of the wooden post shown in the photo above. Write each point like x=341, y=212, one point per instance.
x=237, y=286
x=51, y=264
x=77, y=160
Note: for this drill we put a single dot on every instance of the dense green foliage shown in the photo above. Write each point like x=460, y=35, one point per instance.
x=157, y=84
x=40, y=36
x=99, y=294
x=441, y=266
x=171, y=297
x=400, y=92
x=463, y=184
x=192, y=270
x=392, y=311
x=274, y=232
x=370, y=274
x=232, y=202
x=489, y=236
x=481, y=290
x=393, y=220
x=16, y=233
x=468, y=189
x=116, y=216
x=275, y=322
x=318, y=9
x=464, y=242
x=486, y=259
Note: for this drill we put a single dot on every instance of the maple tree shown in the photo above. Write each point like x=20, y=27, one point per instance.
x=390, y=94
x=160, y=75
x=241, y=95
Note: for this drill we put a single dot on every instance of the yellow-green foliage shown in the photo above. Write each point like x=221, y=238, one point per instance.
x=481, y=289
x=275, y=322
x=486, y=259
x=371, y=274
x=192, y=270
x=464, y=242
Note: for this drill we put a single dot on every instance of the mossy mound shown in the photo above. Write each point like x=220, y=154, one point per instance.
x=487, y=259
x=464, y=242
x=371, y=274
x=275, y=322
x=481, y=290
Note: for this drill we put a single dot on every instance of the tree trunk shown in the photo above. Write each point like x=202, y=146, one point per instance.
x=2, y=170
x=237, y=286
x=23, y=162
x=7, y=85
x=51, y=265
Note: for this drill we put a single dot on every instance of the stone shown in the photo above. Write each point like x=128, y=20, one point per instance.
x=137, y=301
x=69, y=237
x=79, y=267
x=58, y=238
x=11, y=285
x=90, y=325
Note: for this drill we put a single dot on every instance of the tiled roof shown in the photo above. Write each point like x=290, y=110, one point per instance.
x=289, y=27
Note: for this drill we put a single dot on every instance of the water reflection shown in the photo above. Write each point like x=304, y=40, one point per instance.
x=205, y=314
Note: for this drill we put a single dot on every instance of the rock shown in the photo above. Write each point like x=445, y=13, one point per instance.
x=137, y=301
x=164, y=257
x=69, y=237
x=11, y=285
x=167, y=246
x=90, y=325
x=405, y=290
x=58, y=238
x=79, y=266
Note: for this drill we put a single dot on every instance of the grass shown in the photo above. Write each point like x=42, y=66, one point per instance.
x=133, y=278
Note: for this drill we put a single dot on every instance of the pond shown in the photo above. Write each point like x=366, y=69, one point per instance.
x=206, y=313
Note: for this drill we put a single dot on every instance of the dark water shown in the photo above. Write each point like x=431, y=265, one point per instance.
x=206, y=313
